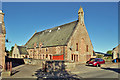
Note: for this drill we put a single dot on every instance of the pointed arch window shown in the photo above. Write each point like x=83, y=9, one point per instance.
x=76, y=46
x=86, y=48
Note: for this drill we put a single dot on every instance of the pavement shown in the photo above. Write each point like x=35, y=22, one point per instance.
x=24, y=71
x=81, y=71
x=109, y=70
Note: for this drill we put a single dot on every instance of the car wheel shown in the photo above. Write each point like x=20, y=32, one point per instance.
x=97, y=65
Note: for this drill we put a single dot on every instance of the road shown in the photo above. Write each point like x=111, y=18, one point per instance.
x=97, y=72
x=82, y=71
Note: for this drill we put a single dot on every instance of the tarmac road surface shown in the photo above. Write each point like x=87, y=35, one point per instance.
x=82, y=71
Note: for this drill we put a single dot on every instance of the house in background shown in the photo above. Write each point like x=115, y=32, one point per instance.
x=19, y=52
x=116, y=52
x=66, y=42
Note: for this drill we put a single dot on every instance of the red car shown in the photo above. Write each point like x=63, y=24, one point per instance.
x=95, y=62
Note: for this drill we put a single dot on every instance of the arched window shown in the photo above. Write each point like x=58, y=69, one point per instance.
x=14, y=55
x=72, y=56
x=43, y=56
x=76, y=46
x=17, y=55
x=86, y=48
x=82, y=46
x=50, y=57
x=46, y=55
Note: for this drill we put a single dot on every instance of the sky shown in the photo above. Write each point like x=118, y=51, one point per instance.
x=22, y=19
x=60, y=0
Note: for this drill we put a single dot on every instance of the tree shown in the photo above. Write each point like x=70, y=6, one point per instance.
x=10, y=52
x=6, y=50
x=109, y=52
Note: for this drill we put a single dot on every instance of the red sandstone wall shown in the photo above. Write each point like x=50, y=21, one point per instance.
x=46, y=53
x=81, y=37
x=2, y=49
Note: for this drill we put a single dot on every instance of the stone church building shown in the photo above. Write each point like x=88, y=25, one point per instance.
x=2, y=39
x=65, y=42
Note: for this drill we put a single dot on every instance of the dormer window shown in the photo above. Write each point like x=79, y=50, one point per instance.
x=50, y=30
x=58, y=28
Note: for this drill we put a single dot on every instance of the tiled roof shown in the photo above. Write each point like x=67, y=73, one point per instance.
x=53, y=37
x=22, y=50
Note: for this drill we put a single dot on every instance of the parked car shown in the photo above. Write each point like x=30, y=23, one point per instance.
x=95, y=62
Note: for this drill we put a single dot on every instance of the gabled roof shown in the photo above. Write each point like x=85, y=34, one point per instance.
x=22, y=50
x=57, y=36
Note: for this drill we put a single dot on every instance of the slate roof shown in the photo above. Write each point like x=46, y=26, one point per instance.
x=56, y=36
x=22, y=50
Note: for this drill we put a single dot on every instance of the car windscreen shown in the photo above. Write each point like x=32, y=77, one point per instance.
x=94, y=60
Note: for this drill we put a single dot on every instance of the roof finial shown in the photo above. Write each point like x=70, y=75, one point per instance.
x=15, y=44
x=81, y=15
x=80, y=10
x=80, y=7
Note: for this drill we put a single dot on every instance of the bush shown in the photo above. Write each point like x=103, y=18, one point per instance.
x=99, y=56
x=109, y=52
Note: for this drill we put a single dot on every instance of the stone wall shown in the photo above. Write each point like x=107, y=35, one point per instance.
x=2, y=49
x=45, y=53
x=51, y=65
x=80, y=39
x=34, y=62
x=2, y=39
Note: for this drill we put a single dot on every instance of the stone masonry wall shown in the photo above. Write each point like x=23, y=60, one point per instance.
x=45, y=53
x=2, y=49
x=81, y=38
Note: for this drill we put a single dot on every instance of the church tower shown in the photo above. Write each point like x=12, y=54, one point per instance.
x=2, y=39
x=81, y=15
